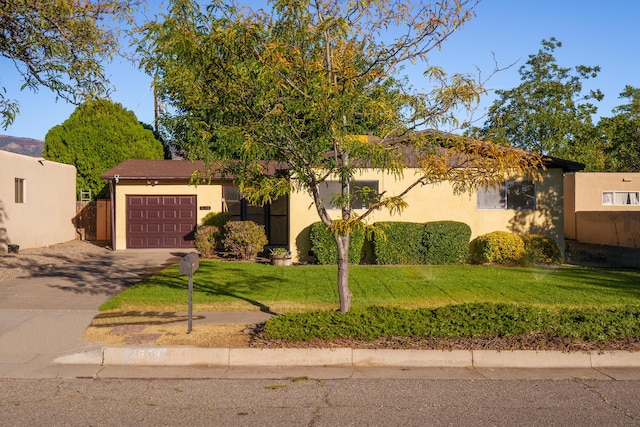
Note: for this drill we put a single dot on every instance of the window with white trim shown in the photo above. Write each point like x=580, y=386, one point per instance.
x=21, y=190
x=512, y=194
x=620, y=198
x=362, y=193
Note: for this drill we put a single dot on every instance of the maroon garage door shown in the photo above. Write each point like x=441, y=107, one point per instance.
x=160, y=221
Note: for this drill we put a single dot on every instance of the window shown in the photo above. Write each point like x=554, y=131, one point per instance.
x=21, y=190
x=231, y=201
x=620, y=198
x=362, y=193
x=516, y=195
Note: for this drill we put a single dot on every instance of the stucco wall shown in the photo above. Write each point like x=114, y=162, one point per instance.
x=47, y=215
x=438, y=202
x=206, y=195
x=587, y=220
x=590, y=185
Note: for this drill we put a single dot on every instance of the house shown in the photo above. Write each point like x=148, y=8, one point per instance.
x=37, y=201
x=603, y=208
x=154, y=205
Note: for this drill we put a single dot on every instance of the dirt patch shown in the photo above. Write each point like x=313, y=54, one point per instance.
x=36, y=260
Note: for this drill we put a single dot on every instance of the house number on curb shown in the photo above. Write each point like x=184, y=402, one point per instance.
x=188, y=264
x=133, y=355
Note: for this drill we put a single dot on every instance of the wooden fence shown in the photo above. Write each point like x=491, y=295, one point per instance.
x=93, y=220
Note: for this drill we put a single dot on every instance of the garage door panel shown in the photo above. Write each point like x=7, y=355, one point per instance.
x=160, y=221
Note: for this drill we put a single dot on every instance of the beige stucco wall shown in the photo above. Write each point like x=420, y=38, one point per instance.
x=206, y=195
x=47, y=215
x=589, y=221
x=438, y=202
x=590, y=185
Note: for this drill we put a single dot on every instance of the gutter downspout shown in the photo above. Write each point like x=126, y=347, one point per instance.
x=112, y=190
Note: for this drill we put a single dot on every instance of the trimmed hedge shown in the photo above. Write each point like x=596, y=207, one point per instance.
x=217, y=219
x=541, y=249
x=206, y=239
x=446, y=242
x=478, y=320
x=501, y=247
x=398, y=243
x=244, y=239
x=324, y=245
x=437, y=242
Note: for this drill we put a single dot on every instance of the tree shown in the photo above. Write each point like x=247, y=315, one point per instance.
x=97, y=136
x=548, y=112
x=620, y=134
x=297, y=82
x=61, y=45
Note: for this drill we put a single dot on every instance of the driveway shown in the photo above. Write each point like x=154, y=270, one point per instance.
x=43, y=315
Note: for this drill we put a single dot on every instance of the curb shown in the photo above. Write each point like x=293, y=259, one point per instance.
x=348, y=357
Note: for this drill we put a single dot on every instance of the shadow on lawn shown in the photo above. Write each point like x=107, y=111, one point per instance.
x=239, y=290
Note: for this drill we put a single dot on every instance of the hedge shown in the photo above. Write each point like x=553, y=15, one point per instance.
x=324, y=246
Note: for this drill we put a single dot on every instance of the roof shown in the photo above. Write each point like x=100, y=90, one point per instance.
x=172, y=169
x=154, y=169
x=184, y=169
x=566, y=165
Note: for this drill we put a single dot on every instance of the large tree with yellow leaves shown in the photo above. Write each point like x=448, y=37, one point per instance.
x=297, y=81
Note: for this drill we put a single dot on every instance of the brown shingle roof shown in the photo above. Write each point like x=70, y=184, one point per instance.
x=154, y=169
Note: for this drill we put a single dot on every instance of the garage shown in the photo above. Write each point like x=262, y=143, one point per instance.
x=160, y=221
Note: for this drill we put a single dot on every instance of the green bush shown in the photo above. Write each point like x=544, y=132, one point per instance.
x=541, y=249
x=475, y=320
x=499, y=247
x=244, y=239
x=324, y=245
x=398, y=243
x=217, y=219
x=446, y=242
x=205, y=239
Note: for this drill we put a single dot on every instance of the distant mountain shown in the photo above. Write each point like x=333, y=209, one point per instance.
x=26, y=146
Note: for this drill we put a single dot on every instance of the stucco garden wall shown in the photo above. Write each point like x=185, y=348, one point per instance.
x=588, y=220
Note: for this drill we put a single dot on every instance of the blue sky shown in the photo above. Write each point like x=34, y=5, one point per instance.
x=592, y=32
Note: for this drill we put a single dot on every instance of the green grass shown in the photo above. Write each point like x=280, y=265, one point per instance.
x=241, y=286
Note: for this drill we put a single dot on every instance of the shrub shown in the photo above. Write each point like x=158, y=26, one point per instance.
x=478, y=320
x=205, y=239
x=541, y=249
x=324, y=245
x=446, y=242
x=398, y=243
x=244, y=239
x=499, y=247
x=217, y=219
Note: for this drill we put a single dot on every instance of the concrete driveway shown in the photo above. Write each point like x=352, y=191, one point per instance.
x=43, y=316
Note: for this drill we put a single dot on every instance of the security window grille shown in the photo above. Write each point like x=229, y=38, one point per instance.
x=362, y=193
x=621, y=198
x=21, y=190
x=514, y=195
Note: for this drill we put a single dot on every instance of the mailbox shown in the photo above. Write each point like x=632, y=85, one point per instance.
x=189, y=263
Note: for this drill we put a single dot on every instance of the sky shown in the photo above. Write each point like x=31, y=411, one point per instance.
x=592, y=32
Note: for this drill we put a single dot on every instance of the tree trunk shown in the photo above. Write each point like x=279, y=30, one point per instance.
x=343, y=272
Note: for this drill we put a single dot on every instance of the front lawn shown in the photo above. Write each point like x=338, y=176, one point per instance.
x=246, y=286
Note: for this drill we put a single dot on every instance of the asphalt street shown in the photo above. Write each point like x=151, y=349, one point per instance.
x=311, y=402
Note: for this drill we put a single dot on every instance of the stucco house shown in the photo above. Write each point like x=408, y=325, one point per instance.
x=155, y=206
x=603, y=208
x=37, y=201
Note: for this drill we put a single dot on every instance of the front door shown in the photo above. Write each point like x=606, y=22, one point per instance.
x=274, y=216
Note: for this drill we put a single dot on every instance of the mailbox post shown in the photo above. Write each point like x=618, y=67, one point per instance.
x=188, y=264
